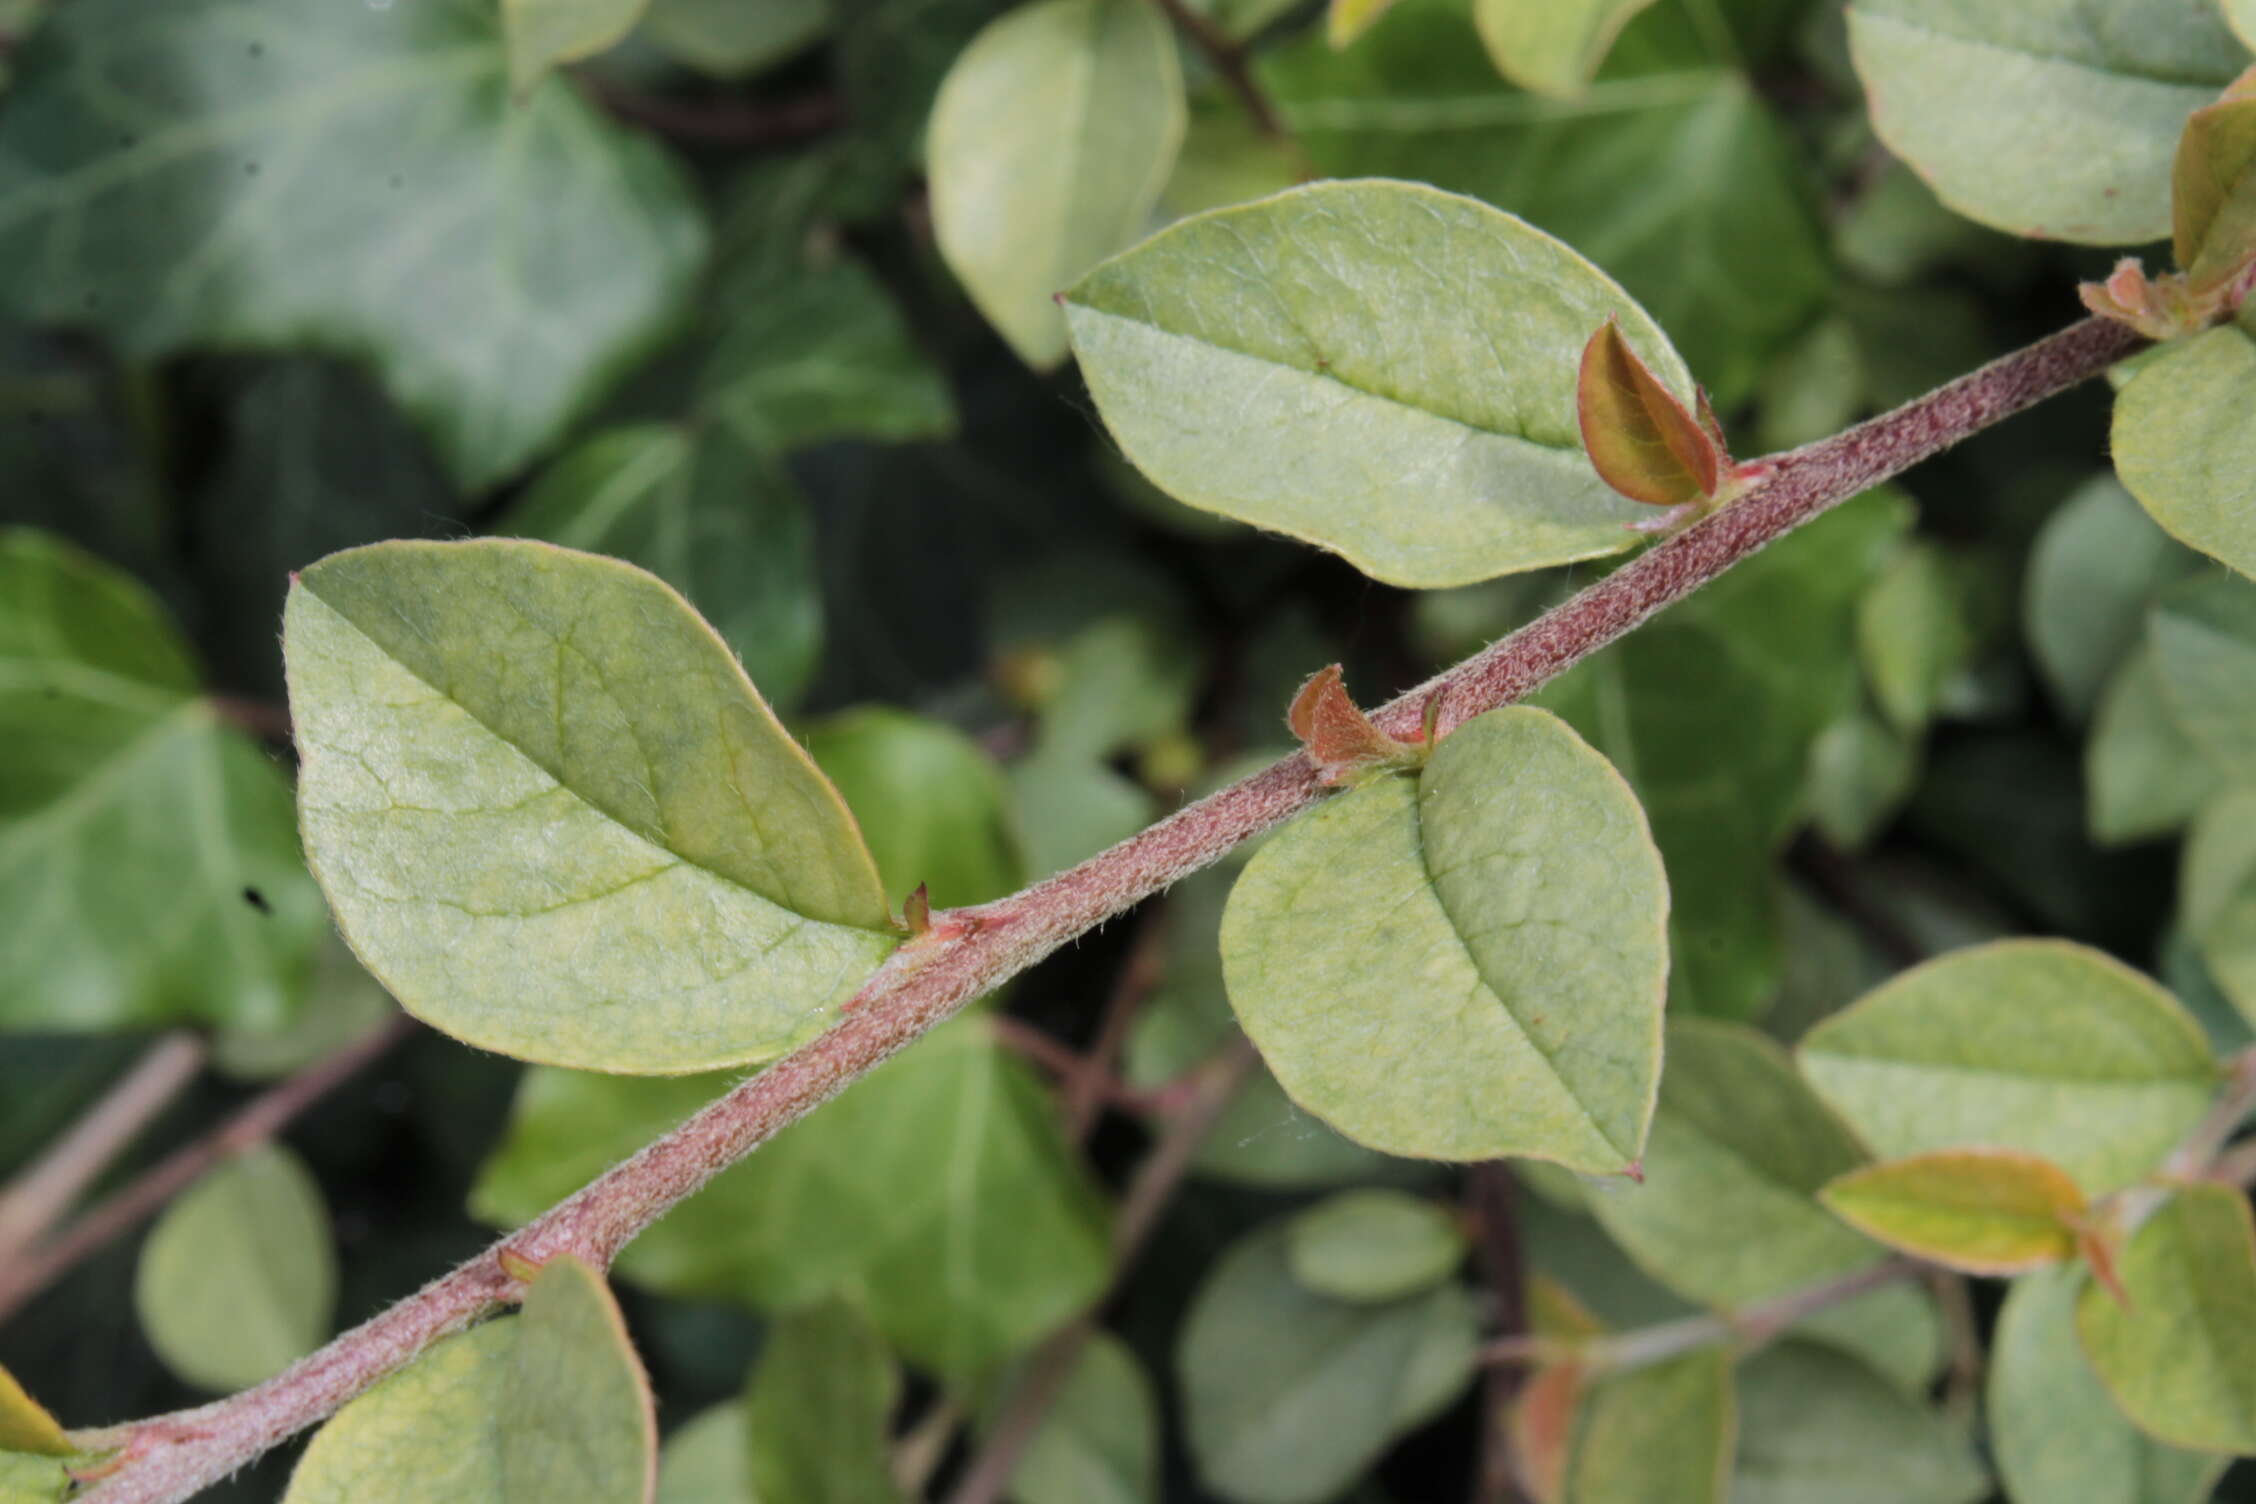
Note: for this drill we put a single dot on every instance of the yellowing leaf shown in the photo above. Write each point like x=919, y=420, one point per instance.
x=1552, y=46
x=25, y=1425
x=1984, y=1211
x=2213, y=187
x=555, y=819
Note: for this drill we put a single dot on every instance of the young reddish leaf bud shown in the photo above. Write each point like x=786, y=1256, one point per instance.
x=1644, y=442
x=916, y=911
x=1340, y=738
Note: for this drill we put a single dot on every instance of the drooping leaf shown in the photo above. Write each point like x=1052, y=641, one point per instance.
x=861, y=1197
x=731, y=38
x=148, y=869
x=1050, y=141
x=2041, y=119
x=1289, y=1395
x=1466, y=964
x=555, y=819
x=715, y=518
x=238, y=1279
x=931, y=803
x=2178, y=1352
x=1728, y=1211
x=1553, y=48
x=25, y=1425
x=1663, y=1432
x=2057, y=1437
x=1098, y=1442
x=545, y=34
x=1423, y=427
x=353, y=178
x=820, y=1410
x=2213, y=188
x=2204, y=637
x=1817, y=1427
x=2145, y=775
x=1373, y=1245
x=2092, y=573
x=574, y=1417
x=2183, y=445
x=1981, y=1211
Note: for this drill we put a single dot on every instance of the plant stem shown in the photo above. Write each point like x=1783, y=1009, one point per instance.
x=1140, y=974
x=142, y=1197
x=31, y=1203
x=1227, y=56
x=969, y=952
x=1492, y=1200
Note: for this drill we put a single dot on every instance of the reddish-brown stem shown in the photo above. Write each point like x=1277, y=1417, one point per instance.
x=969, y=952
x=724, y=121
x=1070, y=1066
x=141, y=1197
x=1492, y=1205
x=1142, y=971
x=1227, y=56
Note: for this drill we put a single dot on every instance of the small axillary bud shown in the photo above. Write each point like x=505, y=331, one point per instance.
x=2158, y=307
x=1341, y=740
x=518, y=1267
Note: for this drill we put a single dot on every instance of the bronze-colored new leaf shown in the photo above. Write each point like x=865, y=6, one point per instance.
x=1642, y=439
x=1338, y=735
x=2213, y=187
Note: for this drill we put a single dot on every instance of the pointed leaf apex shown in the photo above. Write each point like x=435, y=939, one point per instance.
x=1641, y=437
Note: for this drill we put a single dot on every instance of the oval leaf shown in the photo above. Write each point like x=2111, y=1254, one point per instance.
x=2036, y=1045
x=2204, y=638
x=2178, y=1353
x=2213, y=187
x=238, y=1279
x=1050, y=141
x=1373, y=1245
x=1642, y=441
x=555, y=819
x=1467, y=964
x=1662, y=1432
x=930, y=800
x=2183, y=443
x=1818, y=1427
x=1398, y=369
x=1554, y=47
x=2038, y=118
x=2144, y=774
x=2092, y=572
x=1983, y=1211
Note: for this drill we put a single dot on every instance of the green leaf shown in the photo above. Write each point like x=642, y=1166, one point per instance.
x=2240, y=15
x=2204, y=637
x=238, y=1279
x=148, y=869
x=1861, y=772
x=351, y=178
x=1465, y=965
x=931, y=803
x=1421, y=426
x=2043, y=119
x=1553, y=48
x=343, y=1004
x=539, y=792
x=1914, y=632
x=2217, y=894
x=1070, y=808
x=861, y=1197
x=703, y=1460
x=33, y=1480
x=1728, y=1212
x=574, y=1416
x=1816, y=1427
x=715, y=518
x=504, y=1412
x=2093, y=570
x=1098, y=1442
x=1981, y=1211
x=1289, y=1395
x=2036, y=1045
x=25, y=1425
x=1662, y=1432
x=730, y=38
x=2178, y=1353
x=820, y=1411
x=2213, y=188
x=1373, y=1245
x=2183, y=444
x=545, y=34
x=2057, y=1437
x=1050, y=141
x=2144, y=775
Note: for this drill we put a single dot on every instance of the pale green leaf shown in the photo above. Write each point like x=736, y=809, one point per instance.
x=574, y=1417
x=25, y=1425
x=1050, y=141
x=1664, y=1432
x=2178, y=1353
x=1399, y=368
x=1288, y=1395
x=2240, y=15
x=1226, y=159
x=2037, y=1045
x=2093, y=570
x=1098, y=1442
x=1466, y=964
x=730, y=38
x=2057, y=1437
x=703, y=1460
x=148, y=869
x=354, y=178
x=238, y=1279
x=555, y=819
x=1553, y=47
x=1816, y=1427
x=1981, y=1211
x=1914, y=632
x=26, y=1479
x=2217, y=894
x=820, y=1410
x=862, y=1196
x=1728, y=1212
x=343, y=1004
x=1813, y=389
x=1373, y=1245
x=2042, y=118
x=545, y=34
x=427, y=1432
x=2144, y=775
x=1861, y=771
x=931, y=803
x=2184, y=446
x=1069, y=808
x=2204, y=637
x=714, y=517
